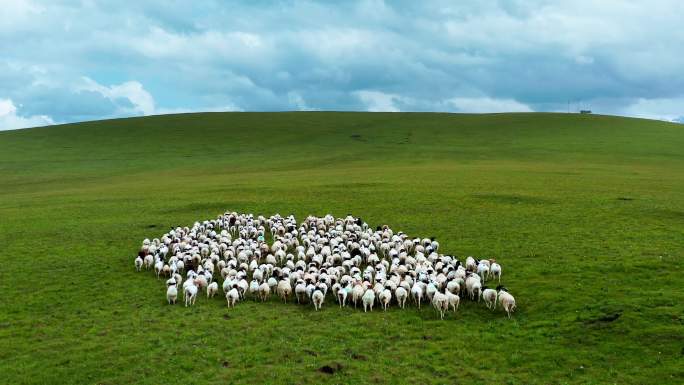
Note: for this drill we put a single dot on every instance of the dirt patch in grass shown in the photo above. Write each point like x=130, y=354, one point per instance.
x=331, y=368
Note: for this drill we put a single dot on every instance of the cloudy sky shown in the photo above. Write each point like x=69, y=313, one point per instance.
x=66, y=61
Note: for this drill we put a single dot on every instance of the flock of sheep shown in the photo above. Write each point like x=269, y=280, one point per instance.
x=309, y=260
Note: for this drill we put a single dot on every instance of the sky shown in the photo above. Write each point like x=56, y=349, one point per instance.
x=65, y=61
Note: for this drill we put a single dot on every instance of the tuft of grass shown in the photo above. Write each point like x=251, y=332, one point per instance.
x=585, y=214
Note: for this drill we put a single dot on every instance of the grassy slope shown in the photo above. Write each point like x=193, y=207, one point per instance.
x=540, y=192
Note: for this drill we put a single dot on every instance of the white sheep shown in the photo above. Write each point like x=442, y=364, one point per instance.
x=158, y=267
x=453, y=300
x=430, y=290
x=483, y=270
x=417, y=293
x=171, y=291
x=227, y=285
x=232, y=296
x=190, y=293
x=495, y=270
x=148, y=261
x=317, y=298
x=254, y=289
x=506, y=300
x=212, y=289
x=489, y=297
x=343, y=254
x=300, y=291
x=284, y=289
x=401, y=295
x=440, y=303
x=264, y=291
x=368, y=299
x=473, y=286
x=342, y=294
x=471, y=265
x=357, y=293
x=453, y=286
x=385, y=297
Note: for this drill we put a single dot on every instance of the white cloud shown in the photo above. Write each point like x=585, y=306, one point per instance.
x=18, y=13
x=142, y=101
x=377, y=101
x=668, y=109
x=298, y=102
x=365, y=55
x=225, y=108
x=487, y=105
x=209, y=45
x=9, y=120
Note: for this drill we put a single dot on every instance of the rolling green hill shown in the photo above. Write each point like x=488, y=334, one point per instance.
x=585, y=214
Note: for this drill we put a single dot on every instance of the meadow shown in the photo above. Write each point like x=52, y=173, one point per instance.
x=584, y=212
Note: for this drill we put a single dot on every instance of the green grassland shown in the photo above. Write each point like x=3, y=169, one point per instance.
x=585, y=214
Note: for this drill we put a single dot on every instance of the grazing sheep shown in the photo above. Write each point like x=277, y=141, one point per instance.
x=264, y=291
x=201, y=282
x=417, y=293
x=342, y=296
x=158, y=268
x=495, y=270
x=473, y=286
x=171, y=291
x=506, y=300
x=272, y=283
x=471, y=265
x=357, y=293
x=385, y=297
x=190, y=294
x=453, y=300
x=483, y=271
x=232, y=296
x=401, y=295
x=227, y=285
x=254, y=289
x=489, y=297
x=431, y=290
x=148, y=261
x=440, y=303
x=312, y=256
x=368, y=299
x=317, y=298
x=300, y=291
x=453, y=286
x=284, y=289
x=212, y=289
